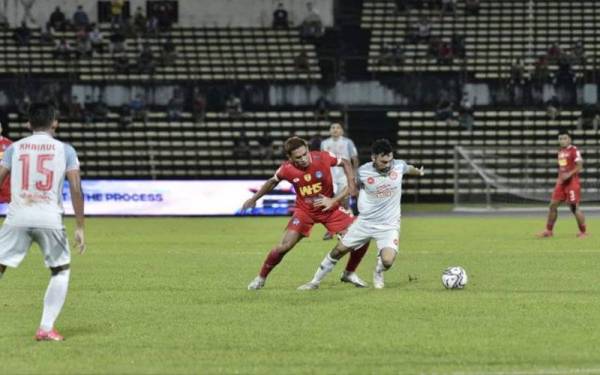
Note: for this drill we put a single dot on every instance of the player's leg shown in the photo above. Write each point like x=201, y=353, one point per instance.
x=355, y=238
x=573, y=198
x=339, y=183
x=14, y=244
x=338, y=222
x=552, y=216
x=57, y=256
x=2, y=270
x=387, y=242
x=298, y=227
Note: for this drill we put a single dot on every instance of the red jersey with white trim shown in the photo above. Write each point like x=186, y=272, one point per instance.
x=5, y=186
x=311, y=182
x=567, y=161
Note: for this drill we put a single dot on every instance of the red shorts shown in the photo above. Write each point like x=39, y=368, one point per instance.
x=336, y=220
x=569, y=192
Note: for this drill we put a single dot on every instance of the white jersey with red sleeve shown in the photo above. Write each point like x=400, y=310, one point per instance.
x=37, y=166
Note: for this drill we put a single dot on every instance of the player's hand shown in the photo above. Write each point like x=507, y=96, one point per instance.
x=421, y=171
x=80, y=240
x=325, y=202
x=250, y=203
x=352, y=190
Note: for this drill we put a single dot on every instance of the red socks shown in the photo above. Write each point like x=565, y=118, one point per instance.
x=272, y=260
x=355, y=258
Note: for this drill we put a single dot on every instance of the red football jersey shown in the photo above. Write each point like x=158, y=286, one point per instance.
x=567, y=161
x=5, y=186
x=311, y=182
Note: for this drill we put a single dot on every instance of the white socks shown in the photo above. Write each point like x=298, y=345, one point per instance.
x=326, y=266
x=54, y=299
x=379, y=267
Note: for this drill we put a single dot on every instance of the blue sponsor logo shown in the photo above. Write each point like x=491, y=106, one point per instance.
x=319, y=175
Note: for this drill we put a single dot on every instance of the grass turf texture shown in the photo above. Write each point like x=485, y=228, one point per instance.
x=161, y=296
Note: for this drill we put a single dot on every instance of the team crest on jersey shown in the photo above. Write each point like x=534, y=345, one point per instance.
x=296, y=180
x=319, y=174
x=393, y=175
x=295, y=221
x=370, y=180
x=307, y=177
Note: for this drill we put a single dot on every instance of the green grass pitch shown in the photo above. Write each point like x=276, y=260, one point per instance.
x=168, y=296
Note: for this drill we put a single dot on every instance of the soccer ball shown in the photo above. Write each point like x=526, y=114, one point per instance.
x=454, y=277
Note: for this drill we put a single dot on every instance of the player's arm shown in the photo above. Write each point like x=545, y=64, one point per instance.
x=413, y=171
x=567, y=175
x=77, y=200
x=3, y=173
x=266, y=188
x=327, y=203
x=349, y=171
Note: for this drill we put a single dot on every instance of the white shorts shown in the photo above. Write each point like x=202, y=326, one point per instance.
x=360, y=233
x=340, y=181
x=16, y=241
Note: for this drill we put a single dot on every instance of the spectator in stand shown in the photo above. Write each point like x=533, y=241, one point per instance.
x=312, y=25
x=444, y=111
x=139, y=21
x=23, y=105
x=465, y=113
x=472, y=7
x=458, y=46
x=80, y=18
x=63, y=50
x=121, y=63
x=280, y=17
x=89, y=109
x=75, y=111
x=164, y=19
x=138, y=106
x=541, y=72
x=168, y=53
x=48, y=36
x=423, y=29
x=322, y=106
x=241, y=146
x=265, y=141
x=117, y=42
x=152, y=26
x=22, y=35
x=198, y=106
x=448, y=7
x=517, y=80
x=84, y=47
x=97, y=39
x=579, y=53
x=392, y=54
x=146, y=60
x=125, y=116
x=100, y=109
x=553, y=107
x=175, y=106
x=554, y=53
x=58, y=20
x=233, y=106
x=116, y=11
x=4, y=25
x=301, y=62
x=445, y=54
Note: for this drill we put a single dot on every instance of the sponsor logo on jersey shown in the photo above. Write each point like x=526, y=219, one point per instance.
x=370, y=180
x=310, y=189
x=319, y=175
x=307, y=177
x=295, y=221
x=296, y=180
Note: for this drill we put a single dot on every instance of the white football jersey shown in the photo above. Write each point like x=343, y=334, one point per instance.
x=342, y=148
x=380, y=194
x=37, y=170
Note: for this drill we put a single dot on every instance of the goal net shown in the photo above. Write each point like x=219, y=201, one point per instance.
x=515, y=178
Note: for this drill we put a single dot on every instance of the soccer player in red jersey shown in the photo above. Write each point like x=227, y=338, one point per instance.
x=310, y=174
x=5, y=185
x=567, y=188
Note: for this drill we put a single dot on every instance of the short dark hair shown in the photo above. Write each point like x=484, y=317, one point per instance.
x=564, y=132
x=381, y=146
x=41, y=116
x=293, y=143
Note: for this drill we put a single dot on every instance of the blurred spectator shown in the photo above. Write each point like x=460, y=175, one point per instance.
x=89, y=109
x=48, y=36
x=314, y=144
x=517, y=80
x=121, y=63
x=23, y=105
x=3, y=23
x=241, y=146
x=164, y=19
x=198, y=106
x=168, y=54
x=444, y=111
x=75, y=111
x=58, y=20
x=117, y=42
x=392, y=54
x=139, y=21
x=423, y=29
x=265, y=141
x=322, y=106
x=301, y=62
x=175, y=105
x=590, y=117
x=445, y=53
x=280, y=17
x=448, y=7
x=80, y=18
x=27, y=15
x=101, y=109
x=458, y=46
x=125, y=115
x=553, y=107
x=401, y=5
x=579, y=53
x=465, y=113
x=116, y=12
x=22, y=35
x=312, y=25
x=541, y=72
x=97, y=39
x=152, y=26
x=554, y=53
x=472, y=7
x=63, y=50
x=233, y=106
x=433, y=48
x=138, y=106
x=145, y=62
x=84, y=47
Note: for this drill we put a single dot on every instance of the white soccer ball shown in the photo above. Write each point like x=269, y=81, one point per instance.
x=454, y=277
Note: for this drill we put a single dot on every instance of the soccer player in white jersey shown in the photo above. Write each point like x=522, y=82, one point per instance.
x=38, y=165
x=343, y=148
x=379, y=219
